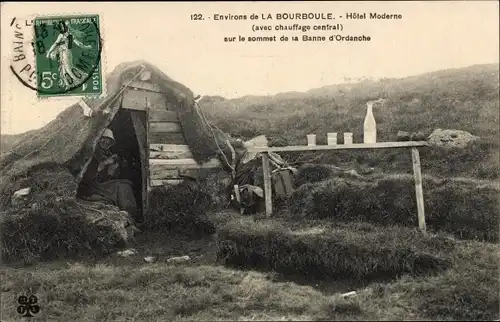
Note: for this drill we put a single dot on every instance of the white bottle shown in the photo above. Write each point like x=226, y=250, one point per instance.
x=369, y=127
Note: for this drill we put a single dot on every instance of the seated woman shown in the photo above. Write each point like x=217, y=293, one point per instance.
x=101, y=183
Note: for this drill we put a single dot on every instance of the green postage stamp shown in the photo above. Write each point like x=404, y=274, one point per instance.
x=67, y=55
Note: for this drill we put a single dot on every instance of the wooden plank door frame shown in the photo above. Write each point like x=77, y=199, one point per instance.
x=141, y=136
x=145, y=167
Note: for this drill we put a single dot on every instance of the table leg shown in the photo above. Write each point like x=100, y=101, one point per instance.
x=415, y=156
x=267, y=184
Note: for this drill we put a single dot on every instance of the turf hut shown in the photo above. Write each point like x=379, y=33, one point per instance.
x=158, y=128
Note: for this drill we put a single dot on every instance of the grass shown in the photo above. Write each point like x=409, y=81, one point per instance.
x=424, y=278
x=162, y=292
x=465, y=288
x=467, y=291
x=117, y=289
x=322, y=249
x=468, y=209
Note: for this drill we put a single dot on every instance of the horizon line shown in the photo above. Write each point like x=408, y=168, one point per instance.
x=357, y=81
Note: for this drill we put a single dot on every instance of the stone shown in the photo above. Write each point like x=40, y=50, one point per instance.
x=21, y=197
x=108, y=218
x=403, y=136
x=127, y=252
x=22, y=192
x=451, y=138
x=178, y=259
x=418, y=136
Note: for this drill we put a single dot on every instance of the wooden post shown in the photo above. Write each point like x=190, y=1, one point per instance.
x=267, y=184
x=415, y=156
x=238, y=197
x=233, y=160
x=145, y=167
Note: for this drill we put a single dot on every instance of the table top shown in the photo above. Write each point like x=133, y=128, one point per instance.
x=378, y=145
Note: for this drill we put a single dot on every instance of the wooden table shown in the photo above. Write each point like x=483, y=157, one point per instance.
x=413, y=145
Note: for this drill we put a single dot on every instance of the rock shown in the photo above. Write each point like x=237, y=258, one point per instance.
x=108, y=218
x=348, y=294
x=451, y=138
x=178, y=259
x=403, y=136
x=21, y=197
x=126, y=253
x=418, y=136
x=352, y=172
x=22, y=192
x=365, y=171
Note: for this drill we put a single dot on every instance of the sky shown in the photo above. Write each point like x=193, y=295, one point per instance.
x=430, y=36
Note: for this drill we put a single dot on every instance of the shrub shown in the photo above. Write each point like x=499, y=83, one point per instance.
x=465, y=208
x=354, y=251
x=182, y=207
x=59, y=228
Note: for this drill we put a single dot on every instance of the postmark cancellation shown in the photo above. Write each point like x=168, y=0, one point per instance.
x=58, y=55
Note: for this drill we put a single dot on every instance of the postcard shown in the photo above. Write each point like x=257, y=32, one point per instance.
x=274, y=161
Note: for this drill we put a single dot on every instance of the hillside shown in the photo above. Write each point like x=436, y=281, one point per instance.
x=446, y=98
x=8, y=141
x=465, y=98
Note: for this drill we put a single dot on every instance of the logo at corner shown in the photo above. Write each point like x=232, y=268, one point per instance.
x=67, y=55
x=28, y=306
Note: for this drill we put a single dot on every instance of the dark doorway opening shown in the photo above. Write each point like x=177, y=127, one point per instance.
x=127, y=146
x=130, y=135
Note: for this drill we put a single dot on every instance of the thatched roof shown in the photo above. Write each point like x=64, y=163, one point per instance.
x=70, y=139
